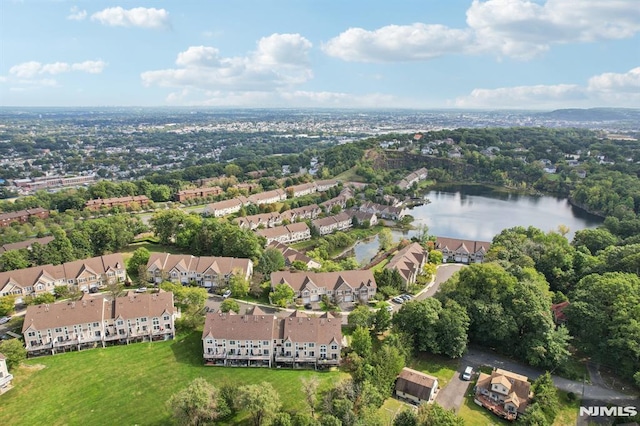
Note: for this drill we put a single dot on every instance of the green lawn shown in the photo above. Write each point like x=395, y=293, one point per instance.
x=474, y=415
x=390, y=409
x=130, y=384
x=349, y=176
x=441, y=367
x=568, y=413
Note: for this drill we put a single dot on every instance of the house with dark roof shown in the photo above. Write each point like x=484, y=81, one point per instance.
x=504, y=393
x=415, y=386
x=462, y=251
x=26, y=244
x=557, y=309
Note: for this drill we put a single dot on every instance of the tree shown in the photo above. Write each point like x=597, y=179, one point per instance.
x=387, y=363
x=361, y=342
x=197, y=404
x=229, y=305
x=281, y=295
x=361, y=316
x=12, y=260
x=238, y=285
x=115, y=289
x=139, y=258
x=14, y=351
x=385, y=239
x=271, y=260
x=7, y=304
x=39, y=299
x=545, y=395
x=310, y=390
x=434, y=414
x=165, y=224
x=419, y=320
x=452, y=328
x=435, y=256
x=261, y=401
x=382, y=320
x=406, y=418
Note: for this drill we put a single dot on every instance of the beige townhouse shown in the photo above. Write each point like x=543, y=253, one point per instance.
x=206, y=271
x=340, y=286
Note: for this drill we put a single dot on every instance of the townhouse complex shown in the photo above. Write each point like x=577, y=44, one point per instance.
x=409, y=262
x=341, y=286
x=462, y=251
x=203, y=192
x=270, y=220
x=82, y=275
x=206, y=271
x=286, y=233
x=261, y=340
x=98, y=320
x=124, y=202
x=311, y=187
x=414, y=177
x=22, y=216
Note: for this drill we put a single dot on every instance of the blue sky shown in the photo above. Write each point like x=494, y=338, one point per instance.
x=495, y=54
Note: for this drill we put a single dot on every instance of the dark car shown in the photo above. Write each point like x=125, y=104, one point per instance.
x=308, y=306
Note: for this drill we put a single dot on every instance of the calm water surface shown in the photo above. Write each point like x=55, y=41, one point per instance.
x=473, y=212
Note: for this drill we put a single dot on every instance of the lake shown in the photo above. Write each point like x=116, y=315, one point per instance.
x=475, y=212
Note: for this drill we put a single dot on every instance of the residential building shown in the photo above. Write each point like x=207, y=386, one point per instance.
x=79, y=274
x=206, y=271
x=287, y=233
x=302, y=189
x=225, y=207
x=5, y=377
x=411, y=178
x=268, y=197
x=262, y=220
x=557, y=309
x=292, y=255
x=329, y=224
x=416, y=386
x=462, y=251
x=26, y=244
x=190, y=194
x=383, y=212
x=98, y=320
x=124, y=202
x=340, y=200
x=409, y=262
x=22, y=216
x=261, y=340
x=363, y=218
x=504, y=393
x=341, y=286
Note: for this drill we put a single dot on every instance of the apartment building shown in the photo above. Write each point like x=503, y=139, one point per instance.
x=26, y=244
x=384, y=212
x=341, y=286
x=268, y=197
x=22, y=216
x=462, y=251
x=206, y=271
x=125, y=202
x=287, y=233
x=98, y=320
x=79, y=274
x=329, y=224
x=204, y=192
x=262, y=340
x=225, y=207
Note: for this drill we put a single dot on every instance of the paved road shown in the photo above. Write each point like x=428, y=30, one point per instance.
x=477, y=357
x=443, y=273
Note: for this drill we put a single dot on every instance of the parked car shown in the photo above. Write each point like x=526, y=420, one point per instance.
x=141, y=290
x=406, y=297
x=5, y=320
x=466, y=375
x=389, y=308
x=226, y=294
x=398, y=299
x=308, y=306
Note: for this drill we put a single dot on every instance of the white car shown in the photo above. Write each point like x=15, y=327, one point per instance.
x=5, y=320
x=226, y=294
x=389, y=308
x=141, y=290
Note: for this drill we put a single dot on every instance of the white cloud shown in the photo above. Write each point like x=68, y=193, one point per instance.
x=513, y=28
x=414, y=42
x=91, y=67
x=281, y=60
x=608, y=89
x=137, y=17
x=26, y=69
x=75, y=14
x=29, y=75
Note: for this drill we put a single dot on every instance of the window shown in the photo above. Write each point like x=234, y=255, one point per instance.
x=265, y=343
x=120, y=322
x=95, y=324
x=312, y=353
x=312, y=345
x=58, y=330
x=121, y=331
x=265, y=351
x=232, y=342
x=209, y=342
x=97, y=333
x=143, y=319
x=31, y=334
x=166, y=318
x=323, y=349
x=334, y=347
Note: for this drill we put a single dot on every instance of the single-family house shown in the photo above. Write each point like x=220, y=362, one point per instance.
x=415, y=386
x=505, y=393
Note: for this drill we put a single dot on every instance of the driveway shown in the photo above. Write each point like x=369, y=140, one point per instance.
x=452, y=395
x=443, y=273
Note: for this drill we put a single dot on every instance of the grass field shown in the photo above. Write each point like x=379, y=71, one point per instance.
x=438, y=366
x=349, y=176
x=568, y=413
x=130, y=384
x=390, y=409
x=475, y=415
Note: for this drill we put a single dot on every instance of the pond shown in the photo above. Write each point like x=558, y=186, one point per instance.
x=476, y=212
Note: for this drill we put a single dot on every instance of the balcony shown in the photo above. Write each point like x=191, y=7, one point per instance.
x=5, y=380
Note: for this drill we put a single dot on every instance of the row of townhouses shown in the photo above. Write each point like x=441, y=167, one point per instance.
x=462, y=251
x=311, y=187
x=98, y=320
x=27, y=244
x=414, y=177
x=206, y=271
x=409, y=262
x=329, y=224
x=261, y=340
x=80, y=274
x=202, y=192
x=340, y=200
x=269, y=220
x=109, y=203
x=226, y=207
x=22, y=216
x=382, y=211
x=341, y=286
x=291, y=233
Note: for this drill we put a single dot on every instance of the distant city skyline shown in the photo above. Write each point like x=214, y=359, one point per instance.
x=487, y=54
